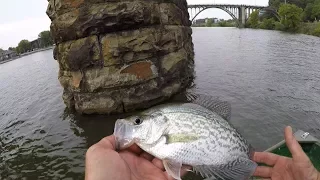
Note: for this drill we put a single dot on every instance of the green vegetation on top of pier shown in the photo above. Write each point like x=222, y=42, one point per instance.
x=295, y=16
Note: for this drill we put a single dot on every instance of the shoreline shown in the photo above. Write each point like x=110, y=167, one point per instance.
x=299, y=32
x=26, y=54
x=306, y=28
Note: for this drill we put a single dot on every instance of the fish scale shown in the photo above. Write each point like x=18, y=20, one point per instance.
x=189, y=134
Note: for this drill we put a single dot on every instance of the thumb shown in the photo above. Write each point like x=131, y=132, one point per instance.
x=294, y=146
x=108, y=143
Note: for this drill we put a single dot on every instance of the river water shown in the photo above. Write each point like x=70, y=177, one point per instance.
x=271, y=79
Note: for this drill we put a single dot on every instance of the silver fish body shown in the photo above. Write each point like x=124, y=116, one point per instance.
x=189, y=134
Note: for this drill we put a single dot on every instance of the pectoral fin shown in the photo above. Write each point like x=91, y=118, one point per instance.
x=173, y=168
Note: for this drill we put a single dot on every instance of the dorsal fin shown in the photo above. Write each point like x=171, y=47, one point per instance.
x=222, y=108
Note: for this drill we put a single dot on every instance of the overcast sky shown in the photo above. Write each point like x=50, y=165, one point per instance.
x=25, y=19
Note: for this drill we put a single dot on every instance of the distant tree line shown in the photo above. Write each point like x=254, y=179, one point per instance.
x=220, y=23
x=293, y=18
x=311, y=8
x=44, y=39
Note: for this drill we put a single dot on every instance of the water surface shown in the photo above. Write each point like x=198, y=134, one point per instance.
x=272, y=79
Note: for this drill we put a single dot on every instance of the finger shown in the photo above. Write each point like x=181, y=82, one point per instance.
x=147, y=156
x=108, y=143
x=262, y=171
x=169, y=177
x=135, y=149
x=293, y=145
x=158, y=163
x=266, y=158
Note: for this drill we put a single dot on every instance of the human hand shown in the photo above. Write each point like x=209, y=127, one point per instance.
x=103, y=162
x=283, y=168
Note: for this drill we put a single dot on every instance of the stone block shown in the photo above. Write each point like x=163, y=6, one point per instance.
x=171, y=89
x=59, y=7
x=128, y=46
x=143, y=44
x=79, y=54
x=115, y=100
x=63, y=6
x=146, y=95
x=95, y=79
x=126, y=99
x=103, y=18
x=140, y=93
x=172, y=38
x=51, y=11
x=172, y=15
x=113, y=76
x=70, y=80
x=171, y=62
x=68, y=99
x=110, y=17
x=98, y=103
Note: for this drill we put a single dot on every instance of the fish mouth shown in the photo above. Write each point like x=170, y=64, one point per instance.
x=123, y=133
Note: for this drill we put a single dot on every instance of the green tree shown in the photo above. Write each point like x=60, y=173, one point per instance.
x=12, y=49
x=209, y=23
x=278, y=26
x=223, y=23
x=316, y=11
x=291, y=16
x=307, y=14
x=267, y=24
x=23, y=46
x=275, y=3
x=316, y=32
x=45, y=39
x=253, y=21
x=300, y=3
x=1, y=50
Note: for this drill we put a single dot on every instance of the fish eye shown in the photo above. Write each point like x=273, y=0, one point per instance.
x=137, y=121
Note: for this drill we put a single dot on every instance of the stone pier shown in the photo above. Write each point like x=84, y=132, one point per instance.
x=121, y=55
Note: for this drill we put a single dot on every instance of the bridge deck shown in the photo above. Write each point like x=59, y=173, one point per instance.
x=225, y=5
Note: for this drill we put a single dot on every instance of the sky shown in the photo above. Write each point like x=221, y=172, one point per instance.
x=25, y=19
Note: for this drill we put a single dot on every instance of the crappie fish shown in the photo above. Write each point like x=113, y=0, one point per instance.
x=190, y=134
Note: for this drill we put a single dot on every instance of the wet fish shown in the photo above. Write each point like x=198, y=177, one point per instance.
x=195, y=134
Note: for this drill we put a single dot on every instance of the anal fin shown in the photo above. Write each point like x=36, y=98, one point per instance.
x=173, y=168
x=239, y=169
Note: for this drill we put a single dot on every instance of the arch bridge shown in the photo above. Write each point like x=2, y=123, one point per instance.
x=240, y=13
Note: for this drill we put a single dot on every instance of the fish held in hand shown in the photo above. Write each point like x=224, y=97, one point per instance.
x=189, y=134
